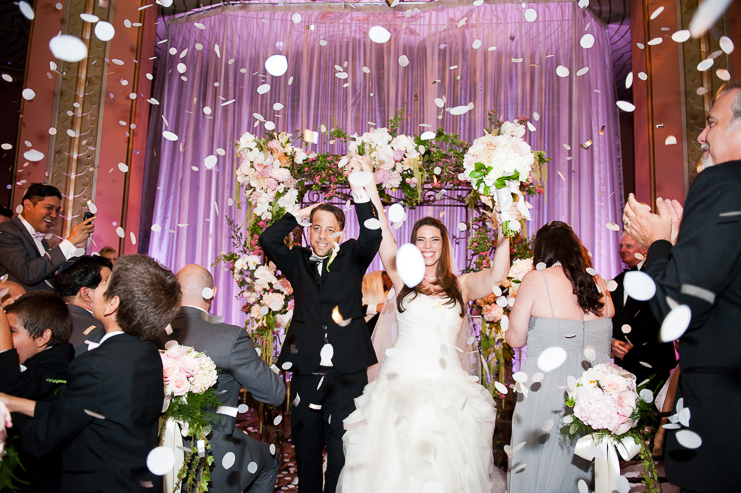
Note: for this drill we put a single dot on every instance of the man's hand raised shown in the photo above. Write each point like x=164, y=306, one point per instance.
x=82, y=231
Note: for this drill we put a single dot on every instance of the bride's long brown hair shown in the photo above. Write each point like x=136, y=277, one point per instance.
x=445, y=280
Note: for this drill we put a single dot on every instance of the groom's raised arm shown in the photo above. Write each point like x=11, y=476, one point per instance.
x=369, y=240
x=272, y=241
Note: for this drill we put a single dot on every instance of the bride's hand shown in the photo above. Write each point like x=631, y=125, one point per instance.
x=358, y=163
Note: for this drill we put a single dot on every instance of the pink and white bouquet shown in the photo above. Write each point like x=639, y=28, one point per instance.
x=264, y=171
x=190, y=406
x=517, y=271
x=264, y=291
x=607, y=410
x=496, y=164
x=393, y=159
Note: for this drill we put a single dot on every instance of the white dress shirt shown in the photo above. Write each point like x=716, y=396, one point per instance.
x=68, y=249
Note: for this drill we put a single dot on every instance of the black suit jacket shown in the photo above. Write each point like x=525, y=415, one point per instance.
x=82, y=320
x=20, y=257
x=703, y=271
x=314, y=300
x=122, y=381
x=239, y=366
x=644, y=335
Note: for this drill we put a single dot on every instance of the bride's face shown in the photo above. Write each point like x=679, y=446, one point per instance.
x=430, y=243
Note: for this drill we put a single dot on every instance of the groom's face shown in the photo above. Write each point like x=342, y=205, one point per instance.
x=324, y=229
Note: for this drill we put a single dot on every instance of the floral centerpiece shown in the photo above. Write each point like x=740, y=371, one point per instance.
x=393, y=158
x=607, y=410
x=497, y=165
x=190, y=404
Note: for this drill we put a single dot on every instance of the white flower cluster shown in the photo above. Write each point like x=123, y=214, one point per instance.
x=264, y=171
x=392, y=158
x=264, y=290
x=519, y=268
x=506, y=154
x=186, y=370
x=605, y=398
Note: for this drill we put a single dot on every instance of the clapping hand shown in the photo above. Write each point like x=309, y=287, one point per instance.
x=646, y=227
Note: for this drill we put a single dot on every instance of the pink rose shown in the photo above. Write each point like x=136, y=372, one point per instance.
x=180, y=385
x=398, y=154
x=170, y=367
x=623, y=426
x=626, y=402
x=611, y=383
x=274, y=145
x=382, y=175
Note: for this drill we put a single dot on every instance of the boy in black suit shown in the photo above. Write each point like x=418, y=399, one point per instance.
x=34, y=333
x=325, y=278
x=107, y=417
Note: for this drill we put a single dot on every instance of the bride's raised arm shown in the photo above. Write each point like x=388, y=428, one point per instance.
x=389, y=247
x=477, y=285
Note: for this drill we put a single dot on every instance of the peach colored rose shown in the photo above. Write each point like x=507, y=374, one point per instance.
x=626, y=402
x=611, y=383
x=624, y=426
x=170, y=367
x=180, y=385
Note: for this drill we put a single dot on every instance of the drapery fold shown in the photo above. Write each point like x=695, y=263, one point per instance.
x=212, y=98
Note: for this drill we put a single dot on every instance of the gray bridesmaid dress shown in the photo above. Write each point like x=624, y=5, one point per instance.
x=550, y=465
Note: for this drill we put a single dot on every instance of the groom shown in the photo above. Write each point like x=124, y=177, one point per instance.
x=327, y=352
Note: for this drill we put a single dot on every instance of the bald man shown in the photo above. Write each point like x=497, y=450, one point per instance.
x=239, y=366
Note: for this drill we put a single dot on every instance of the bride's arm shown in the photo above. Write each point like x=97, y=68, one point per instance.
x=388, y=248
x=477, y=285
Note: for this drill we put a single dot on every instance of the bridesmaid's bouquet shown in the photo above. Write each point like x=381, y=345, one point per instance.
x=607, y=409
x=190, y=405
x=496, y=165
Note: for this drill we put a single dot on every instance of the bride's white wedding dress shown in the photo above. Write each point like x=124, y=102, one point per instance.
x=422, y=425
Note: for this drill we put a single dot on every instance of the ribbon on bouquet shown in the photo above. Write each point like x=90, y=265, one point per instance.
x=606, y=462
x=504, y=199
x=173, y=440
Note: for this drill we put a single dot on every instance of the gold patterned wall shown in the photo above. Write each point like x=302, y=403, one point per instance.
x=77, y=113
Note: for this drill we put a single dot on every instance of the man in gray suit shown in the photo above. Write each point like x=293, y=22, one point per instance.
x=256, y=468
x=75, y=285
x=24, y=252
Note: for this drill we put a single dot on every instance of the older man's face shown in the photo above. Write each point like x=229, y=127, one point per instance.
x=721, y=138
x=628, y=249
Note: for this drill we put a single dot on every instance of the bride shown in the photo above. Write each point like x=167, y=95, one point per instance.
x=422, y=425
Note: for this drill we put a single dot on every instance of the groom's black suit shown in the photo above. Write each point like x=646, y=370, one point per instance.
x=703, y=271
x=329, y=390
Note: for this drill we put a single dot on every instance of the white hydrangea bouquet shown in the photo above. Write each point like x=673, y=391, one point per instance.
x=190, y=406
x=607, y=409
x=393, y=159
x=496, y=164
x=264, y=171
x=264, y=291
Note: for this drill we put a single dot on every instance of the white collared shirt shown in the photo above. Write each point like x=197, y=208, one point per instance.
x=196, y=307
x=109, y=335
x=68, y=249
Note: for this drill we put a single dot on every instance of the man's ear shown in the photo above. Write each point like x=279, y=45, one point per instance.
x=86, y=294
x=43, y=339
x=111, y=306
x=338, y=237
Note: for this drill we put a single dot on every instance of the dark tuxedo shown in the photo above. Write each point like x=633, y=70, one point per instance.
x=45, y=373
x=703, y=271
x=644, y=336
x=331, y=390
x=20, y=257
x=122, y=381
x=82, y=320
x=239, y=366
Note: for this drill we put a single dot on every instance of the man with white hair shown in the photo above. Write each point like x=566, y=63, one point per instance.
x=702, y=270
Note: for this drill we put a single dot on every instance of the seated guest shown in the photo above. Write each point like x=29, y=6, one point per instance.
x=109, y=253
x=34, y=334
x=76, y=285
x=239, y=366
x=107, y=417
x=24, y=252
x=635, y=330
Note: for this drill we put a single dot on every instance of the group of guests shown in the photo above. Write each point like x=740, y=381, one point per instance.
x=86, y=422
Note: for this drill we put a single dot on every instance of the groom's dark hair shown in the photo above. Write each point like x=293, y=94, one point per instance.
x=338, y=214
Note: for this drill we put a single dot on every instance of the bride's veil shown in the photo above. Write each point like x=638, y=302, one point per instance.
x=384, y=334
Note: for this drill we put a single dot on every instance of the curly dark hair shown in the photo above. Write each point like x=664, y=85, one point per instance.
x=149, y=295
x=445, y=279
x=557, y=242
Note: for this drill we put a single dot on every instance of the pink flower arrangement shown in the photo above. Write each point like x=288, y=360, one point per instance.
x=186, y=370
x=605, y=398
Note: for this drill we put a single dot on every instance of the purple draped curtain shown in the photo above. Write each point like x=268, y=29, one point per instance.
x=211, y=99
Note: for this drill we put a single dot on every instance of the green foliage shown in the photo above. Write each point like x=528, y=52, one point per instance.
x=9, y=465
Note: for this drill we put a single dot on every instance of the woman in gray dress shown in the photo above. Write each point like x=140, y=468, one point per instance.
x=559, y=304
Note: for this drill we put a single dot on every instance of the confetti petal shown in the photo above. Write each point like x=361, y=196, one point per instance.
x=410, y=264
x=625, y=106
x=169, y=136
x=68, y=48
x=104, y=31
x=276, y=65
x=160, y=460
x=639, y=285
x=689, y=439
x=228, y=460
x=587, y=41
x=551, y=358
x=379, y=34
x=562, y=71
